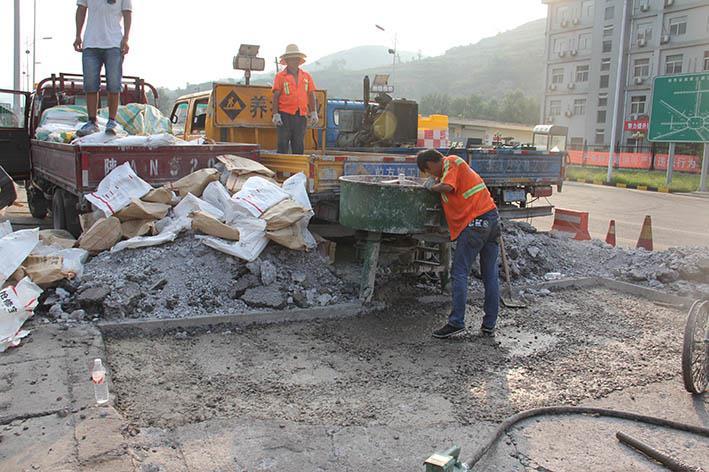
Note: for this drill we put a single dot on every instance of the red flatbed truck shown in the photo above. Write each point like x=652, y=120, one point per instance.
x=58, y=176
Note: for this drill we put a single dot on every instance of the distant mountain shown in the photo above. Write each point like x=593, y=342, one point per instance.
x=512, y=60
x=358, y=58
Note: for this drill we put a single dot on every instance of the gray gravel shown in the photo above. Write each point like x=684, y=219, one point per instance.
x=186, y=278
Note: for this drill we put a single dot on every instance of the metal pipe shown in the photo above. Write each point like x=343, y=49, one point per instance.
x=34, y=43
x=16, y=41
x=668, y=461
x=620, y=73
x=670, y=165
x=705, y=169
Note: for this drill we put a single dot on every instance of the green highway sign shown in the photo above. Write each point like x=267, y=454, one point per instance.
x=680, y=109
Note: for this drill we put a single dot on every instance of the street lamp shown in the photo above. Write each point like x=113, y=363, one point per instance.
x=391, y=51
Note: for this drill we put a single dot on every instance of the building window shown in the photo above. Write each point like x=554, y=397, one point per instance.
x=610, y=13
x=562, y=13
x=641, y=67
x=580, y=106
x=600, y=136
x=608, y=31
x=678, y=26
x=587, y=9
x=585, y=42
x=637, y=105
x=607, y=45
x=602, y=99
x=673, y=64
x=582, y=73
x=645, y=31
x=706, y=60
x=555, y=108
x=606, y=64
x=604, y=81
x=601, y=116
x=559, y=45
x=557, y=76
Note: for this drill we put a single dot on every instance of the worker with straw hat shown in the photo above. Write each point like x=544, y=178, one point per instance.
x=294, y=104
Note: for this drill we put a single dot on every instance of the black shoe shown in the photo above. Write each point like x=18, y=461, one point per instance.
x=447, y=331
x=487, y=332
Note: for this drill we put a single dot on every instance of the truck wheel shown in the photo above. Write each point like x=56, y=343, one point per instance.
x=71, y=213
x=39, y=206
x=58, y=217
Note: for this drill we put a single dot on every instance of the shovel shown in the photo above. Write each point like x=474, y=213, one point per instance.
x=506, y=294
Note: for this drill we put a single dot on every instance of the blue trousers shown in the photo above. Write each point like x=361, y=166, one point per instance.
x=479, y=238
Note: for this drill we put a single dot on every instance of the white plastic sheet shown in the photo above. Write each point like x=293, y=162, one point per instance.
x=5, y=228
x=251, y=243
x=16, y=306
x=117, y=189
x=14, y=248
x=170, y=228
x=295, y=186
x=191, y=203
x=258, y=195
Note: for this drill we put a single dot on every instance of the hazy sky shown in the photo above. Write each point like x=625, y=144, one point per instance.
x=178, y=41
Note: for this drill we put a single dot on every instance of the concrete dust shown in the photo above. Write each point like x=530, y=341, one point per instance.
x=384, y=369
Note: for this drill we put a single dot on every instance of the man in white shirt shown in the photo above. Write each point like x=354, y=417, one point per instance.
x=104, y=44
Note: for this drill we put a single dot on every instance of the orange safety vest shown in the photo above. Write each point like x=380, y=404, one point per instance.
x=294, y=96
x=469, y=198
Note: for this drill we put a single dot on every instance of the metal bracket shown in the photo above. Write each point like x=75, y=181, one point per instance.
x=446, y=461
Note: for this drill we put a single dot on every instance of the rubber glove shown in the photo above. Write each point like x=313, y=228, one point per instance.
x=430, y=182
x=313, y=120
x=277, y=120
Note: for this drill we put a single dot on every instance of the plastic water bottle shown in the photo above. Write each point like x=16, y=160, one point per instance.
x=402, y=178
x=98, y=376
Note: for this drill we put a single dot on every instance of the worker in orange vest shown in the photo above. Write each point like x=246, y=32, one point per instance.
x=294, y=103
x=473, y=222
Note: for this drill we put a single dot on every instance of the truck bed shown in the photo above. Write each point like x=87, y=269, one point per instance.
x=79, y=169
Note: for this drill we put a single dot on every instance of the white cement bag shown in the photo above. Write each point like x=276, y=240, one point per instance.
x=295, y=186
x=169, y=229
x=258, y=195
x=131, y=141
x=73, y=261
x=5, y=228
x=217, y=195
x=16, y=306
x=117, y=189
x=191, y=203
x=252, y=240
x=14, y=249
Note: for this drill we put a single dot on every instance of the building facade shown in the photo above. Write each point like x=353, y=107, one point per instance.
x=485, y=132
x=584, y=40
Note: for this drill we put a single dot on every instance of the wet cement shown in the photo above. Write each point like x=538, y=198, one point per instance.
x=384, y=369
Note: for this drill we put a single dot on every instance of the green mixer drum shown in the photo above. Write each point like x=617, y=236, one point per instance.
x=368, y=204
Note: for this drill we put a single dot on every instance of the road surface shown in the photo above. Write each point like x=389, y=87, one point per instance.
x=677, y=219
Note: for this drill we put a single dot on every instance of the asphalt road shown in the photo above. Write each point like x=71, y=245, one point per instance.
x=677, y=219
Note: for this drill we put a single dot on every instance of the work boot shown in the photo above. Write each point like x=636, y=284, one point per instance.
x=447, y=331
x=90, y=127
x=487, y=332
x=111, y=127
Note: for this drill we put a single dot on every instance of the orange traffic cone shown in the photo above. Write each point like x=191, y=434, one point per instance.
x=645, y=240
x=610, y=237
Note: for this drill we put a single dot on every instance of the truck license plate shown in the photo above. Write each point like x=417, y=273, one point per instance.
x=510, y=196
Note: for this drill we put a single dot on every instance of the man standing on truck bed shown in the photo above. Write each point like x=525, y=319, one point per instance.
x=293, y=101
x=104, y=44
x=473, y=222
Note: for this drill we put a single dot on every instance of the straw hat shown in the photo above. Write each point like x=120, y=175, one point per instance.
x=292, y=51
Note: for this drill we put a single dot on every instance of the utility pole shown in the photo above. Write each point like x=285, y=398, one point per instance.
x=705, y=169
x=620, y=74
x=34, y=43
x=16, y=79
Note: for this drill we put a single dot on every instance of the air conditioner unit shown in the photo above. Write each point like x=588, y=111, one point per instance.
x=642, y=42
x=645, y=7
x=669, y=3
x=571, y=85
x=573, y=52
x=562, y=53
x=552, y=87
x=575, y=21
x=639, y=80
x=665, y=39
x=569, y=113
x=564, y=23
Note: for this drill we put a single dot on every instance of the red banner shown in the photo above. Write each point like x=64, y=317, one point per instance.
x=636, y=160
x=636, y=125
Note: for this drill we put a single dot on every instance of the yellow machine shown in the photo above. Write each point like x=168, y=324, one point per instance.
x=239, y=114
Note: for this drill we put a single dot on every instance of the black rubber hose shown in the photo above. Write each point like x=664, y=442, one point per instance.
x=579, y=410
